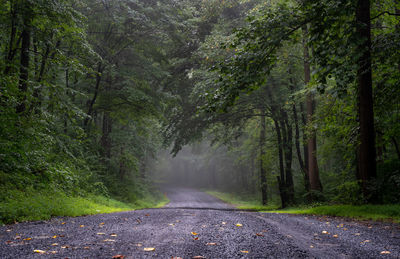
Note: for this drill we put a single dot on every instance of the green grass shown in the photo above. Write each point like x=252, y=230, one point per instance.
x=244, y=202
x=30, y=205
x=362, y=212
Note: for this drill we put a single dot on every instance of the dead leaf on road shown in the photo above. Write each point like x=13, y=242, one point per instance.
x=239, y=225
x=211, y=244
x=335, y=236
x=196, y=238
x=194, y=233
x=149, y=249
x=100, y=233
x=118, y=256
x=244, y=251
x=39, y=251
x=113, y=235
x=223, y=223
x=385, y=252
x=54, y=244
x=109, y=240
x=259, y=234
x=28, y=238
x=198, y=257
x=325, y=232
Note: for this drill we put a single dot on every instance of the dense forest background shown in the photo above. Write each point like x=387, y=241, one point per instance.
x=290, y=102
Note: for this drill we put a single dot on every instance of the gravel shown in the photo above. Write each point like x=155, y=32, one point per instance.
x=195, y=224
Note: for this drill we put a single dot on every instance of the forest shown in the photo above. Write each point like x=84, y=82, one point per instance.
x=277, y=103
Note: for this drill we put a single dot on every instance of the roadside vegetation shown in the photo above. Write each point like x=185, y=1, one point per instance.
x=389, y=213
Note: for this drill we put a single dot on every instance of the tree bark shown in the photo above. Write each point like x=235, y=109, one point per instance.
x=24, y=65
x=366, y=149
x=263, y=173
x=281, y=177
x=313, y=171
x=96, y=92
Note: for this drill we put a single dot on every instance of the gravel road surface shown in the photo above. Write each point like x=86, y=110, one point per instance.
x=196, y=225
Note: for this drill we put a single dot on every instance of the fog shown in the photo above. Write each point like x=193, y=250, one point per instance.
x=202, y=166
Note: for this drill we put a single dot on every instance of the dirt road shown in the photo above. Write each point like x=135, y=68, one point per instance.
x=196, y=224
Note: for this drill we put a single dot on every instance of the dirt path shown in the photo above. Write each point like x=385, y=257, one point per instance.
x=218, y=232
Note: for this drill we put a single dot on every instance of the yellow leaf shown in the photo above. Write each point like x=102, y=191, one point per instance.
x=198, y=257
x=385, y=252
x=101, y=233
x=82, y=226
x=39, y=251
x=28, y=238
x=244, y=251
x=211, y=244
x=344, y=228
x=86, y=247
x=63, y=223
x=335, y=236
x=54, y=244
x=149, y=249
x=194, y=233
x=239, y=225
x=54, y=236
x=102, y=223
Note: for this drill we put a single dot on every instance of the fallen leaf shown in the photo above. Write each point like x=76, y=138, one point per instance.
x=102, y=223
x=101, y=233
x=365, y=241
x=171, y=224
x=244, y=251
x=196, y=238
x=8, y=230
x=344, y=228
x=113, y=235
x=259, y=234
x=357, y=234
x=139, y=245
x=118, y=256
x=211, y=244
x=54, y=244
x=176, y=258
x=82, y=226
x=63, y=223
x=39, y=251
x=17, y=237
x=194, y=233
x=54, y=236
x=198, y=257
x=149, y=249
x=239, y=225
x=289, y=236
x=385, y=252
x=9, y=242
x=311, y=246
x=86, y=247
x=335, y=236
x=28, y=238
x=61, y=235
x=64, y=247
x=325, y=232
x=223, y=223
x=147, y=215
x=109, y=240
x=53, y=252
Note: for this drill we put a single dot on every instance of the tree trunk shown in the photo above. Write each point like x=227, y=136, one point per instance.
x=313, y=171
x=288, y=151
x=263, y=173
x=366, y=149
x=11, y=50
x=24, y=65
x=281, y=178
x=96, y=92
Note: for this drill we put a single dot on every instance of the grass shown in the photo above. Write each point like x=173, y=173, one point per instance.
x=28, y=205
x=390, y=212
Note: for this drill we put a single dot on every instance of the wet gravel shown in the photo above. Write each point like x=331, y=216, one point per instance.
x=195, y=224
